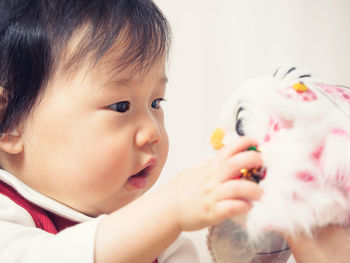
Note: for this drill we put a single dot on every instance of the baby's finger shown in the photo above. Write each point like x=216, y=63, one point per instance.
x=247, y=160
x=239, y=145
x=229, y=208
x=238, y=189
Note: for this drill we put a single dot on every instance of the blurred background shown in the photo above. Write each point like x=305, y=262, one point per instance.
x=218, y=44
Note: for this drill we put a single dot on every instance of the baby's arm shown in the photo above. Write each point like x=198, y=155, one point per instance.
x=329, y=244
x=195, y=199
x=22, y=242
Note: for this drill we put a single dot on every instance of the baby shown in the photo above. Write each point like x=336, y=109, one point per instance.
x=83, y=138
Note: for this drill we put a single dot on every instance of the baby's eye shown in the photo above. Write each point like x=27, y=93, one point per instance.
x=156, y=103
x=121, y=106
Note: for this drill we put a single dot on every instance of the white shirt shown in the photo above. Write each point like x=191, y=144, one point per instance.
x=21, y=241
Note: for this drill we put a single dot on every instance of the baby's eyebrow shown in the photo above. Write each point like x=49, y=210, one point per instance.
x=126, y=82
x=121, y=82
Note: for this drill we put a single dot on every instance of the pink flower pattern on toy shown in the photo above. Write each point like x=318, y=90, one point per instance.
x=317, y=153
x=291, y=93
x=336, y=92
x=340, y=132
x=275, y=125
x=305, y=176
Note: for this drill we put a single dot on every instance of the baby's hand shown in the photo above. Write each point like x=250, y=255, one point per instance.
x=328, y=244
x=208, y=193
x=197, y=198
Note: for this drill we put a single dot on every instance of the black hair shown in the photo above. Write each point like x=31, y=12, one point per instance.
x=34, y=35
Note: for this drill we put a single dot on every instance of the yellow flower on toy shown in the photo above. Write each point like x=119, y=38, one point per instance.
x=300, y=87
x=216, y=138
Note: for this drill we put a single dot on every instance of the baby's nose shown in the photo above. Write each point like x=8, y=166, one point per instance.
x=148, y=132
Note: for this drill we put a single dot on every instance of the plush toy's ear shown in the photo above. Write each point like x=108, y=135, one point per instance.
x=10, y=142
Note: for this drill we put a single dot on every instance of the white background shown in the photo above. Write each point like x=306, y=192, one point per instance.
x=218, y=44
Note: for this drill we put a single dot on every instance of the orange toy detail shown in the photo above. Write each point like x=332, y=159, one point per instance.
x=216, y=138
x=300, y=87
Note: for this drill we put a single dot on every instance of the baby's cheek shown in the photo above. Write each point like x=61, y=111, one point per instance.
x=102, y=166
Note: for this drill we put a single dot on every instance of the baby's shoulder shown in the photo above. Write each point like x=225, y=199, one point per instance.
x=10, y=212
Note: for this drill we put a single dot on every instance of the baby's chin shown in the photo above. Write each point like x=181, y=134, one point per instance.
x=101, y=204
x=110, y=206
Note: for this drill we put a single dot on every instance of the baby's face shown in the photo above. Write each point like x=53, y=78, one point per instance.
x=96, y=140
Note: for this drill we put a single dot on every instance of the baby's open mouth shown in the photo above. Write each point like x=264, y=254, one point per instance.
x=140, y=179
x=143, y=172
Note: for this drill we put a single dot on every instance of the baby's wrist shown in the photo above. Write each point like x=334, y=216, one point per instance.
x=169, y=206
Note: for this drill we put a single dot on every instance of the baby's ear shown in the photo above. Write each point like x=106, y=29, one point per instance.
x=10, y=142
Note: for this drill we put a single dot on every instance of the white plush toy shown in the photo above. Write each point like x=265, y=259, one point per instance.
x=302, y=125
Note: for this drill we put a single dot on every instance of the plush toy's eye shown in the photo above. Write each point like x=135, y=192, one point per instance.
x=239, y=127
x=239, y=121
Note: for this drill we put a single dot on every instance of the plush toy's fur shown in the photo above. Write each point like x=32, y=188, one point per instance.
x=303, y=127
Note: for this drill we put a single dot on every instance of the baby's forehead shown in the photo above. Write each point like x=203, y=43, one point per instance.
x=108, y=76
x=109, y=71
x=122, y=60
